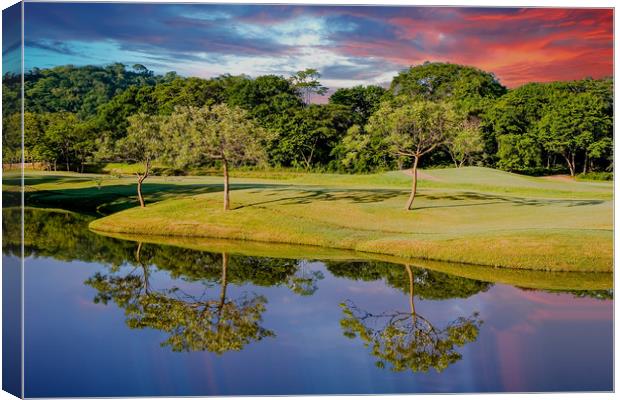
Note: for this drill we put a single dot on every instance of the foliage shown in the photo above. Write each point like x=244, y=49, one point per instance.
x=575, y=123
x=363, y=101
x=465, y=142
x=362, y=151
x=414, y=128
x=307, y=84
x=193, y=323
x=309, y=136
x=528, y=124
x=407, y=341
x=518, y=152
x=79, y=90
x=529, y=128
x=268, y=98
x=597, y=176
x=469, y=88
x=218, y=132
x=430, y=285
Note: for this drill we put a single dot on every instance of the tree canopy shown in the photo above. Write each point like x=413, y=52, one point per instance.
x=71, y=110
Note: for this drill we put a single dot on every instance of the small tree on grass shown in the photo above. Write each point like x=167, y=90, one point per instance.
x=217, y=132
x=145, y=142
x=413, y=130
x=464, y=142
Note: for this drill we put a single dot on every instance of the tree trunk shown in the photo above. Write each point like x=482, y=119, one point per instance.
x=411, y=304
x=223, y=284
x=585, y=163
x=570, y=160
x=141, y=178
x=226, y=186
x=456, y=163
x=140, y=197
x=414, y=183
x=145, y=270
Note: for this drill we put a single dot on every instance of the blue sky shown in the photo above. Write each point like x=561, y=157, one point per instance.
x=348, y=45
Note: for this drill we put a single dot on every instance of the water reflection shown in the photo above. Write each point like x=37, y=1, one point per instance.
x=193, y=322
x=297, y=314
x=405, y=339
x=202, y=321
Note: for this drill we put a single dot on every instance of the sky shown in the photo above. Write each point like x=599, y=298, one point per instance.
x=348, y=45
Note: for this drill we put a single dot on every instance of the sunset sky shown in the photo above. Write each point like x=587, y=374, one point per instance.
x=348, y=45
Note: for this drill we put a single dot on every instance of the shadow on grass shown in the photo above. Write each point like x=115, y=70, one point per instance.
x=486, y=199
x=43, y=179
x=107, y=199
x=307, y=196
x=471, y=199
x=110, y=199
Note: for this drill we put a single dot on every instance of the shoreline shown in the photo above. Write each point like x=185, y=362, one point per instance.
x=520, y=256
x=533, y=279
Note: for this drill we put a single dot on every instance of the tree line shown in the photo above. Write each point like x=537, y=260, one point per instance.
x=434, y=114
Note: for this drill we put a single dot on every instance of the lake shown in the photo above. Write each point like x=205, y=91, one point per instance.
x=117, y=317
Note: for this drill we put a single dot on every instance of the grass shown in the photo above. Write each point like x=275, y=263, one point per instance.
x=469, y=215
x=548, y=280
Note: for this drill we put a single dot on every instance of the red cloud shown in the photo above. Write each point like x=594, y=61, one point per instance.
x=519, y=46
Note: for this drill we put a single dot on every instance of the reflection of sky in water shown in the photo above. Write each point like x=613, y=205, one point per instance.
x=529, y=341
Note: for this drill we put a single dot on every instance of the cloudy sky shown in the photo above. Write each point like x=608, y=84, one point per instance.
x=348, y=45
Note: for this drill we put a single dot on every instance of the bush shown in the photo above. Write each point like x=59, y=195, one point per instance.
x=539, y=171
x=597, y=176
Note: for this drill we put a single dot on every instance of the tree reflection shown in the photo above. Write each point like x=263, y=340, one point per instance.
x=193, y=322
x=406, y=340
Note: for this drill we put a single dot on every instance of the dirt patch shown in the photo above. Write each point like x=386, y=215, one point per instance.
x=561, y=178
x=422, y=175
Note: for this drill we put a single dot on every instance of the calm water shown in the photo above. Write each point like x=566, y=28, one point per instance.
x=106, y=317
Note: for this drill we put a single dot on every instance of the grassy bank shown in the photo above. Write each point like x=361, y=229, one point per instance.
x=470, y=215
x=532, y=279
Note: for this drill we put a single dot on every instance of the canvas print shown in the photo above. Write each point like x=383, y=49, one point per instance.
x=250, y=199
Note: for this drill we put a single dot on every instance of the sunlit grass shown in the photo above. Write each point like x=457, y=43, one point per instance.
x=470, y=215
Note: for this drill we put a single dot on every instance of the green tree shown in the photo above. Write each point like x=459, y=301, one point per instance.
x=64, y=131
x=307, y=84
x=518, y=152
x=268, y=98
x=309, y=135
x=11, y=119
x=571, y=124
x=362, y=100
x=465, y=85
x=465, y=142
x=79, y=90
x=146, y=142
x=218, y=132
x=361, y=151
x=12, y=139
x=412, y=130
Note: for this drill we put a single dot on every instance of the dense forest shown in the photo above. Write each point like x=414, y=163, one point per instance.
x=73, y=114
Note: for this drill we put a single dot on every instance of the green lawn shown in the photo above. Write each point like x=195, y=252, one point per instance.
x=469, y=215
